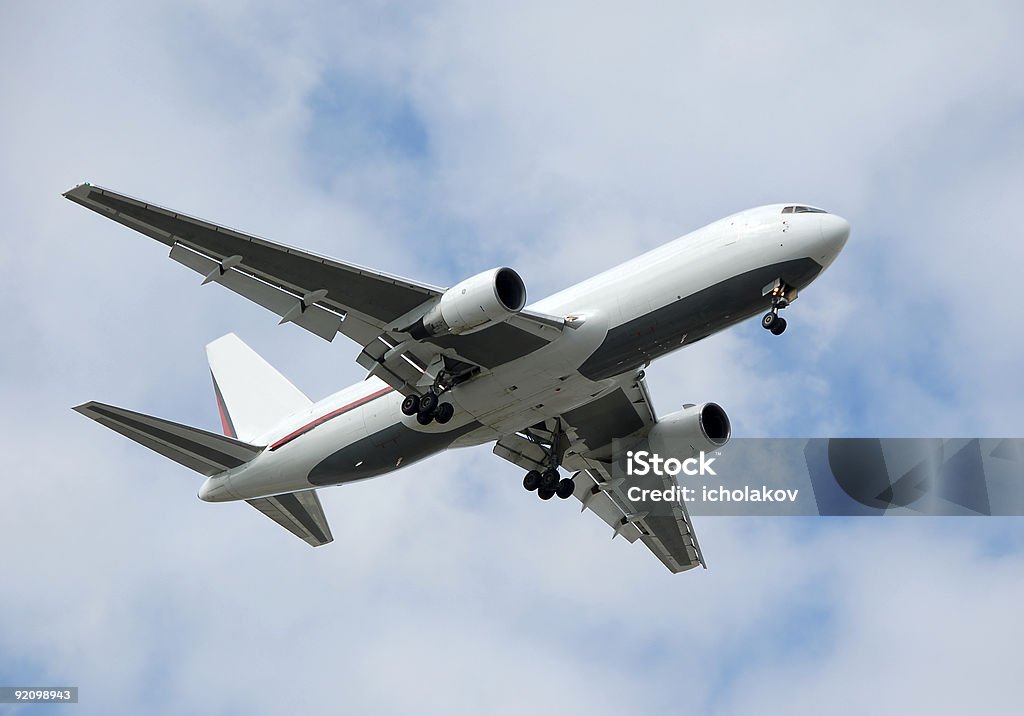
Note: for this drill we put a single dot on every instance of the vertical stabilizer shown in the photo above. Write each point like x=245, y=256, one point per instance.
x=252, y=396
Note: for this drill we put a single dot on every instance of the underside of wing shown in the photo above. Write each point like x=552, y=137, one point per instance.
x=320, y=294
x=326, y=296
x=590, y=432
x=664, y=527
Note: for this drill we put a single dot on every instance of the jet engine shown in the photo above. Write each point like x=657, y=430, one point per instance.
x=694, y=428
x=474, y=304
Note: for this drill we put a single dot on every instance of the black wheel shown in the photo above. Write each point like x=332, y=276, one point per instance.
x=428, y=403
x=549, y=480
x=444, y=413
x=424, y=418
x=769, y=320
x=532, y=480
x=411, y=404
x=565, y=488
x=778, y=326
x=545, y=493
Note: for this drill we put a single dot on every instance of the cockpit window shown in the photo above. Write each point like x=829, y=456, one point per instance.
x=803, y=210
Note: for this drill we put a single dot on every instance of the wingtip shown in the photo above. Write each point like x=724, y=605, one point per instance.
x=84, y=408
x=79, y=191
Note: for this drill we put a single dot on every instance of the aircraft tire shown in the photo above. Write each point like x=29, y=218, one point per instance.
x=444, y=413
x=411, y=404
x=778, y=326
x=545, y=494
x=549, y=480
x=565, y=489
x=428, y=403
x=532, y=480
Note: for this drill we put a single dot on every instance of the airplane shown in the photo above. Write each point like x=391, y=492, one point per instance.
x=554, y=384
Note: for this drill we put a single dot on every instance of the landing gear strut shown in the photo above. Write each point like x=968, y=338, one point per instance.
x=548, y=482
x=772, y=321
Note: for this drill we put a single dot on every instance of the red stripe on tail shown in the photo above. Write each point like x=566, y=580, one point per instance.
x=225, y=417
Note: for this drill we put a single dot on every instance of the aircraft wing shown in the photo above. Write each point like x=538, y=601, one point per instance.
x=322, y=295
x=664, y=527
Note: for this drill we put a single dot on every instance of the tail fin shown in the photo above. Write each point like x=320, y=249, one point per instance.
x=252, y=397
x=199, y=450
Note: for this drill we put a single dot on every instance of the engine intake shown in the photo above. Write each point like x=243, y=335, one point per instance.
x=474, y=304
x=694, y=428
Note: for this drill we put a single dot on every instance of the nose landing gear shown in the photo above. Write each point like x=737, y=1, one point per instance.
x=781, y=295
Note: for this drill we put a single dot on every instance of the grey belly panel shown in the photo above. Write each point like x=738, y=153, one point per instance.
x=380, y=453
x=691, y=318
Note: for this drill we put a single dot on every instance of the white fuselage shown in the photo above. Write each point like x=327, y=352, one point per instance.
x=618, y=321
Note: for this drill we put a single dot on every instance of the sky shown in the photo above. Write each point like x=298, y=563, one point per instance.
x=437, y=140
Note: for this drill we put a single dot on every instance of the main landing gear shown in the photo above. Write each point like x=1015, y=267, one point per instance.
x=427, y=408
x=548, y=482
x=772, y=321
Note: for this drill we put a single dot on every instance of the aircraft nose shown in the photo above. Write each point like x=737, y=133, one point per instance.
x=835, y=230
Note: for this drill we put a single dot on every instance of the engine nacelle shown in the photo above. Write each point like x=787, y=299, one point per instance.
x=694, y=428
x=476, y=303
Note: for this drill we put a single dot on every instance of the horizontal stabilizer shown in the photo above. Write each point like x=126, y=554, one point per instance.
x=298, y=512
x=199, y=450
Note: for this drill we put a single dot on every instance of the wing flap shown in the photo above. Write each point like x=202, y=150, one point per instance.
x=298, y=512
x=520, y=451
x=290, y=306
x=396, y=363
x=596, y=499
